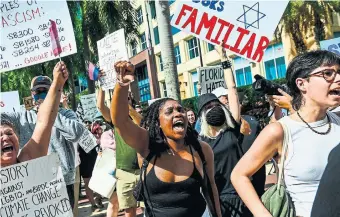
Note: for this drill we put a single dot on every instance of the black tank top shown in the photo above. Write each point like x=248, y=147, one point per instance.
x=174, y=199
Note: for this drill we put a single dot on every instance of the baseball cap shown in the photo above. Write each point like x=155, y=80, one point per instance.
x=204, y=100
x=221, y=91
x=40, y=82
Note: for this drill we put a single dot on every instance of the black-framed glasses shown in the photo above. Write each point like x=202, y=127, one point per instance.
x=327, y=74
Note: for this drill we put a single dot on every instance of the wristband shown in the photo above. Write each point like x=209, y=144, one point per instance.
x=226, y=64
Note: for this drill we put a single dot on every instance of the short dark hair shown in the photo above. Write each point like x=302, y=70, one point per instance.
x=5, y=121
x=302, y=65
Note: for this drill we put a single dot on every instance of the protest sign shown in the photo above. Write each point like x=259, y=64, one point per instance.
x=28, y=102
x=332, y=45
x=34, y=188
x=243, y=27
x=111, y=49
x=210, y=78
x=25, y=36
x=87, y=141
x=9, y=101
x=88, y=103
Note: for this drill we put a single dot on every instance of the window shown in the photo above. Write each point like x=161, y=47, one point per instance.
x=336, y=34
x=160, y=62
x=133, y=48
x=156, y=34
x=177, y=55
x=140, y=15
x=193, y=48
x=143, y=41
x=274, y=62
x=211, y=47
x=153, y=9
x=174, y=30
x=242, y=72
x=194, y=78
x=164, y=89
x=171, y=2
x=143, y=83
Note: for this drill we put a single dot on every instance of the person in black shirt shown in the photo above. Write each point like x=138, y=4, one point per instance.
x=327, y=199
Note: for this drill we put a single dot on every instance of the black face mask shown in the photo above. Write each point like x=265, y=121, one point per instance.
x=216, y=116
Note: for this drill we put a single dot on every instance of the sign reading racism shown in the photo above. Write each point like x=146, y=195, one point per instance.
x=111, y=49
x=88, y=103
x=210, y=78
x=332, y=45
x=9, y=101
x=34, y=188
x=25, y=38
x=243, y=27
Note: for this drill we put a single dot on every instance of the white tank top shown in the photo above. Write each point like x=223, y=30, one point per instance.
x=307, y=158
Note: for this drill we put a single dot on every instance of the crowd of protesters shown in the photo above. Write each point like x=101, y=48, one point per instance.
x=173, y=162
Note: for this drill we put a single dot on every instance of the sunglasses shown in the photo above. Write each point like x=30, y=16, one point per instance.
x=328, y=74
x=88, y=122
x=39, y=95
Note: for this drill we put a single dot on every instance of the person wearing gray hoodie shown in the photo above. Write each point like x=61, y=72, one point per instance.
x=66, y=130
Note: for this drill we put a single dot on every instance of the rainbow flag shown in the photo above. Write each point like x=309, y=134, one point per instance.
x=55, y=39
x=93, y=72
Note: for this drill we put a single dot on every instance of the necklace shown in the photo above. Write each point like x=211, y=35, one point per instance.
x=321, y=133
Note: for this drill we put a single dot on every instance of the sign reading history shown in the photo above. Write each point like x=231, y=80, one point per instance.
x=25, y=38
x=243, y=27
x=34, y=188
x=111, y=49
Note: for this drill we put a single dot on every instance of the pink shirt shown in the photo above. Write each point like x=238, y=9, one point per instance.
x=108, y=140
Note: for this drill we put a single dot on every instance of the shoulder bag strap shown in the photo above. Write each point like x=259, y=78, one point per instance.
x=286, y=141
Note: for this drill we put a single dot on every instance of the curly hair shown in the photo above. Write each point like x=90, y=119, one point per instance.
x=150, y=122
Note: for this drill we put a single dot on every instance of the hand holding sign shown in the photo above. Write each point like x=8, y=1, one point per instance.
x=125, y=72
x=60, y=73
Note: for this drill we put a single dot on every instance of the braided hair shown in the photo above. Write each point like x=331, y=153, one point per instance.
x=158, y=143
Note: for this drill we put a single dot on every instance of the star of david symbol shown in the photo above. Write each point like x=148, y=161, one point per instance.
x=254, y=16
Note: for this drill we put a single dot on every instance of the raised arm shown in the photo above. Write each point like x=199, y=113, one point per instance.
x=234, y=103
x=133, y=135
x=101, y=105
x=267, y=144
x=37, y=146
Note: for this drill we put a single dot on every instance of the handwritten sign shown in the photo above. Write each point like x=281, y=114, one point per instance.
x=111, y=49
x=211, y=78
x=25, y=37
x=89, y=106
x=332, y=45
x=243, y=27
x=9, y=101
x=34, y=188
x=28, y=102
x=87, y=141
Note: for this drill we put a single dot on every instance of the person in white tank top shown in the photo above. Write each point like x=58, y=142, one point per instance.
x=313, y=79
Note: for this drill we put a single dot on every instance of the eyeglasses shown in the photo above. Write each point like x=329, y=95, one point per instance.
x=88, y=122
x=328, y=74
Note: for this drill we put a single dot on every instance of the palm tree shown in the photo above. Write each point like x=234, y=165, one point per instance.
x=300, y=16
x=167, y=49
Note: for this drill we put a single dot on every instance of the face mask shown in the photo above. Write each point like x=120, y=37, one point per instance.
x=216, y=116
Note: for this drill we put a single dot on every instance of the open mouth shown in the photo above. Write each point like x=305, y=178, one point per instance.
x=8, y=148
x=178, y=125
x=335, y=92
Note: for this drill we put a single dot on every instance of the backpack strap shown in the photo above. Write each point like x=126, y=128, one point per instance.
x=285, y=142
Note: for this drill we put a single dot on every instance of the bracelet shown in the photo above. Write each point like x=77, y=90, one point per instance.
x=226, y=64
x=122, y=84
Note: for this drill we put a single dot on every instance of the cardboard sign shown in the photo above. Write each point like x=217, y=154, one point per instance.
x=111, y=49
x=25, y=37
x=89, y=106
x=332, y=45
x=28, y=102
x=87, y=141
x=243, y=27
x=34, y=188
x=9, y=101
x=210, y=78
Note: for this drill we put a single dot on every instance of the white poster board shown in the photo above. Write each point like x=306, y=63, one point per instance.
x=245, y=27
x=88, y=103
x=332, y=45
x=25, y=38
x=9, y=101
x=34, y=188
x=210, y=78
x=111, y=49
x=87, y=141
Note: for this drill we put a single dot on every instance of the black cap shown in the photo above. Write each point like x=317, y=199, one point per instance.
x=205, y=99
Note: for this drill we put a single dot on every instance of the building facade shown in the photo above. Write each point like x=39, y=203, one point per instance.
x=187, y=55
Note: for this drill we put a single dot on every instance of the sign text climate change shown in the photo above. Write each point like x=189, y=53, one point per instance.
x=243, y=27
x=34, y=188
x=25, y=38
